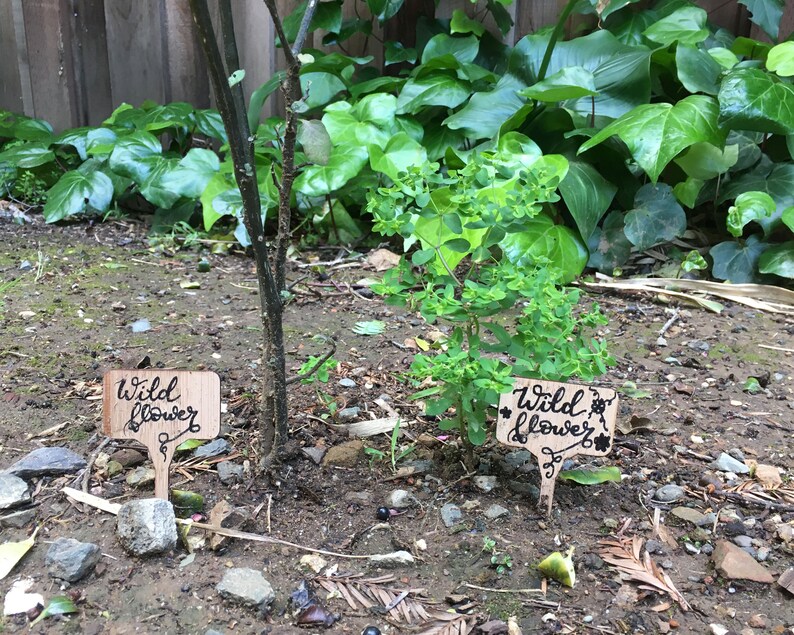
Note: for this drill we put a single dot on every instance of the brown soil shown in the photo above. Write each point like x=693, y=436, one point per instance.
x=86, y=285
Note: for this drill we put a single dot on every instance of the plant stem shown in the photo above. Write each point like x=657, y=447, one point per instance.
x=555, y=35
x=273, y=420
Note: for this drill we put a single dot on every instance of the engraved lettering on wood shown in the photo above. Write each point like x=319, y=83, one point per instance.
x=161, y=409
x=555, y=421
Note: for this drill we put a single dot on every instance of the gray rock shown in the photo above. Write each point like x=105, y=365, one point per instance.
x=13, y=491
x=146, y=527
x=53, y=461
x=451, y=514
x=669, y=493
x=690, y=548
x=667, y=564
x=699, y=345
x=348, y=414
x=19, y=519
x=315, y=453
x=529, y=490
x=688, y=514
x=737, y=454
x=517, y=458
x=229, y=472
x=246, y=586
x=390, y=560
x=212, y=631
x=485, y=483
x=708, y=549
x=141, y=326
x=71, y=560
x=743, y=541
x=726, y=463
x=141, y=477
x=496, y=511
x=654, y=547
x=213, y=448
x=708, y=520
x=346, y=382
x=762, y=554
x=401, y=499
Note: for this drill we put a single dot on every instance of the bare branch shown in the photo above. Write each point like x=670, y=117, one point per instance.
x=303, y=31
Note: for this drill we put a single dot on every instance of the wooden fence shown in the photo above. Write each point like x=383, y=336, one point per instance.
x=71, y=61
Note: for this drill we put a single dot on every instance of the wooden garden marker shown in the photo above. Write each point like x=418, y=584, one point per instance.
x=555, y=421
x=161, y=409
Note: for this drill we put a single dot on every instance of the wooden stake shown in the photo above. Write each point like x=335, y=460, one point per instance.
x=161, y=409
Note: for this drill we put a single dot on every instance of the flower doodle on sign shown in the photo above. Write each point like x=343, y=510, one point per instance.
x=599, y=405
x=602, y=442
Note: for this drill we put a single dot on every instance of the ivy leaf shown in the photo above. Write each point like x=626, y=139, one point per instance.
x=463, y=49
x=28, y=155
x=656, y=218
x=778, y=259
x=190, y=176
x=788, y=218
x=76, y=138
x=29, y=129
x=59, y=605
x=686, y=25
x=587, y=195
x=210, y=124
x=373, y=327
x=749, y=206
x=395, y=52
x=780, y=59
x=705, y=161
x=76, y=192
x=751, y=99
x=135, y=155
x=434, y=90
x=400, y=154
x=621, y=73
x=697, y=70
x=345, y=127
x=259, y=97
x=777, y=181
x=378, y=109
x=327, y=16
x=766, y=14
x=315, y=140
x=384, y=9
x=541, y=238
x=571, y=82
x=656, y=133
x=319, y=88
x=591, y=476
x=609, y=247
x=461, y=23
x=344, y=163
x=735, y=261
x=487, y=111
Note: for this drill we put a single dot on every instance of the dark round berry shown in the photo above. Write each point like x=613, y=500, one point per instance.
x=383, y=513
x=371, y=630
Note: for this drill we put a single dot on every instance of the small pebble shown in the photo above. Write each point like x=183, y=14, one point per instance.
x=587, y=619
x=346, y=382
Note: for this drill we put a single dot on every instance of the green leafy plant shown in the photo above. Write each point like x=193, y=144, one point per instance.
x=501, y=561
x=395, y=453
x=482, y=247
x=315, y=372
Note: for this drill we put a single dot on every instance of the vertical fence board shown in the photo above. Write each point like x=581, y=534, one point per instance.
x=185, y=77
x=135, y=50
x=93, y=98
x=10, y=86
x=50, y=61
x=256, y=46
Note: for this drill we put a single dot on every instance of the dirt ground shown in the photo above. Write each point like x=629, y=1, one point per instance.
x=70, y=295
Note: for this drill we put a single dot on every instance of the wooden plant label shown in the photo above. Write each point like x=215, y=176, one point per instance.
x=161, y=409
x=555, y=421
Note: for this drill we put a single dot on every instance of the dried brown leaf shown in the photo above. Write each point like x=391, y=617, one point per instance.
x=625, y=556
